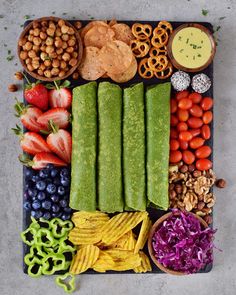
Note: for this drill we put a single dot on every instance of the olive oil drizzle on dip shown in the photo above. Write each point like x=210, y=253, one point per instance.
x=191, y=47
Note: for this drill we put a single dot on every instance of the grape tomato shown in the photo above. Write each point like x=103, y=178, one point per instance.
x=175, y=156
x=194, y=122
x=185, y=135
x=196, y=111
x=174, y=144
x=185, y=103
x=203, y=164
x=173, y=106
x=182, y=126
x=195, y=97
x=188, y=157
x=196, y=142
x=182, y=94
x=207, y=117
x=183, y=115
x=207, y=103
x=206, y=132
x=203, y=152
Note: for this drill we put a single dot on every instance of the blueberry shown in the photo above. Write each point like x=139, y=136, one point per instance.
x=46, y=204
x=41, y=185
x=26, y=195
x=63, y=203
x=55, y=198
x=44, y=173
x=57, y=181
x=65, y=181
x=65, y=216
x=61, y=190
x=50, y=166
x=67, y=209
x=36, y=214
x=32, y=192
x=35, y=178
x=47, y=215
x=64, y=172
x=55, y=208
x=34, y=198
x=54, y=173
x=51, y=188
x=36, y=205
x=41, y=196
x=27, y=205
x=29, y=173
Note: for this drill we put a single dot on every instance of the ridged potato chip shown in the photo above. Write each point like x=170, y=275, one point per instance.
x=85, y=236
x=85, y=219
x=84, y=259
x=98, y=36
x=123, y=33
x=143, y=234
x=115, y=57
x=104, y=262
x=90, y=67
x=120, y=224
x=145, y=264
x=90, y=25
x=126, y=75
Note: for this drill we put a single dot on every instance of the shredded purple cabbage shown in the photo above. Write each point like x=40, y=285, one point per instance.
x=181, y=244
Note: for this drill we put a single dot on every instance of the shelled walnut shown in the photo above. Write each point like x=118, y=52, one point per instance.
x=192, y=191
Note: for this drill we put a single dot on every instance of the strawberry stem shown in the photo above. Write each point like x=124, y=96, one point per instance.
x=26, y=78
x=56, y=85
x=52, y=126
x=25, y=160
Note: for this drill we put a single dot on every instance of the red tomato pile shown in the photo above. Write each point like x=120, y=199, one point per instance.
x=190, y=118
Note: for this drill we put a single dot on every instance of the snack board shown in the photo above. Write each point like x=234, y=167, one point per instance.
x=154, y=214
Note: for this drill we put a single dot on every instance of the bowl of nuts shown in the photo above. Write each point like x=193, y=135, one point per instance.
x=50, y=48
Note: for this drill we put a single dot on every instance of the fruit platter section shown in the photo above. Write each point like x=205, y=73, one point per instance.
x=117, y=141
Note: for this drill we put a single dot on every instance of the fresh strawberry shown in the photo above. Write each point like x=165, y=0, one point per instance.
x=59, y=95
x=41, y=160
x=60, y=142
x=31, y=142
x=36, y=94
x=59, y=116
x=28, y=116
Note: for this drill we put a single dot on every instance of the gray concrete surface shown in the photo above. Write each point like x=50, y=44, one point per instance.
x=222, y=279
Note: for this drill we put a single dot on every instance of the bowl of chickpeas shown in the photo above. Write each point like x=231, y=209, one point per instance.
x=50, y=49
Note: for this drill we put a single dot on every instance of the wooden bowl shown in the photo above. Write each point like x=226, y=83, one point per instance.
x=79, y=43
x=154, y=228
x=171, y=56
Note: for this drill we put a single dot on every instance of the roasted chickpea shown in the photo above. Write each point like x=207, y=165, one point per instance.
x=37, y=41
x=30, y=67
x=22, y=41
x=43, y=48
x=49, y=41
x=61, y=74
x=36, y=32
x=66, y=69
x=28, y=61
x=75, y=75
x=78, y=25
x=52, y=25
x=43, y=55
x=59, y=51
x=58, y=43
x=59, y=57
x=31, y=32
x=44, y=29
x=47, y=63
x=52, y=55
x=42, y=67
x=71, y=31
x=50, y=32
x=74, y=54
x=35, y=25
x=69, y=49
x=56, y=63
x=66, y=56
x=64, y=45
x=47, y=74
x=63, y=64
x=49, y=49
x=71, y=42
x=58, y=32
x=28, y=46
x=44, y=23
x=30, y=38
x=64, y=29
x=55, y=71
x=43, y=35
x=40, y=72
x=23, y=55
x=35, y=48
x=31, y=53
x=73, y=62
x=61, y=23
x=65, y=37
x=35, y=65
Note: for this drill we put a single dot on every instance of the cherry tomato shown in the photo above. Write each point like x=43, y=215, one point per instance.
x=185, y=104
x=203, y=152
x=185, y=135
x=195, y=132
x=182, y=126
x=203, y=164
x=207, y=103
x=196, y=111
x=173, y=120
x=183, y=145
x=183, y=115
x=195, y=97
x=173, y=106
x=196, y=142
x=182, y=94
x=174, y=144
x=194, y=122
x=188, y=157
x=207, y=117
x=206, y=132
x=175, y=156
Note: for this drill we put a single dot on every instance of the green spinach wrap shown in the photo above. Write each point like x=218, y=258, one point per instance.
x=84, y=144
x=134, y=148
x=158, y=131
x=109, y=156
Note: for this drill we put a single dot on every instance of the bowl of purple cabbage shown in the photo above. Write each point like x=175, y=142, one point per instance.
x=181, y=243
